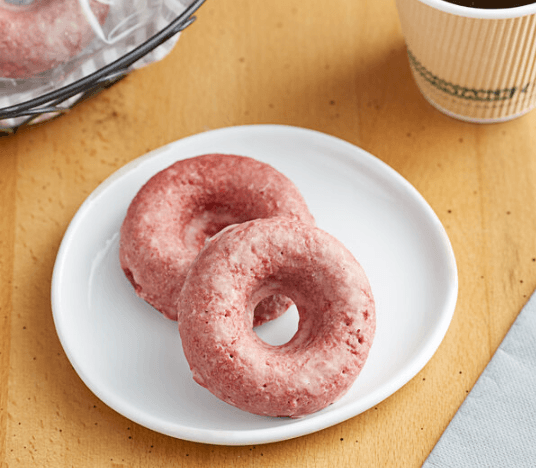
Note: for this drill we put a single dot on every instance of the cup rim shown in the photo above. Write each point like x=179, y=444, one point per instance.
x=498, y=13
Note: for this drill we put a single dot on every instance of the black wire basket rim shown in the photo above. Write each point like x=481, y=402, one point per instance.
x=109, y=73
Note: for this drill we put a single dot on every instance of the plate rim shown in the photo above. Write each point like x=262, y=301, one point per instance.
x=298, y=427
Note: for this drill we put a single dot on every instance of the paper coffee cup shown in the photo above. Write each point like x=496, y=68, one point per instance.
x=473, y=64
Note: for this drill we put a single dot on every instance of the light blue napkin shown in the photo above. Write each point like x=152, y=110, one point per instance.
x=496, y=424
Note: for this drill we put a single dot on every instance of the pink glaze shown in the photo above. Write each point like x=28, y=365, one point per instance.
x=242, y=265
x=179, y=208
x=43, y=35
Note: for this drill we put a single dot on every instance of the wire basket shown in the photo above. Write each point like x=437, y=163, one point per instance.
x=55, y=103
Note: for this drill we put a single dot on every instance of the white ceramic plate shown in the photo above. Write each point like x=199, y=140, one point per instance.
x=131, y=357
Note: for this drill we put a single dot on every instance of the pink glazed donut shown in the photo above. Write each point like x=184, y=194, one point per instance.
x=235, y=270
x=178, y=209
x=40, y=35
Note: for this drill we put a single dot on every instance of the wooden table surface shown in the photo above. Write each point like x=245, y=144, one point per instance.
x=340, y=68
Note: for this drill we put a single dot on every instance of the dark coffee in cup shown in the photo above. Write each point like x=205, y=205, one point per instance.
x=490, y=4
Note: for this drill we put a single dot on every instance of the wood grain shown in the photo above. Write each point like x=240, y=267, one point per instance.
x=340, y=68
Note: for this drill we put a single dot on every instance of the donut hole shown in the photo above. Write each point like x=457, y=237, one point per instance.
x=281, y=330
x=209, y=218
